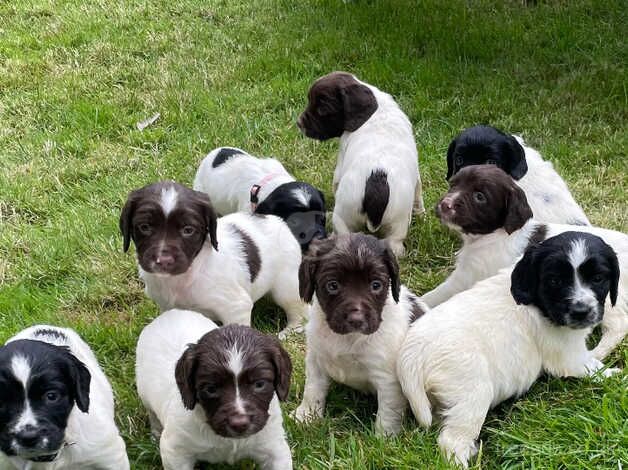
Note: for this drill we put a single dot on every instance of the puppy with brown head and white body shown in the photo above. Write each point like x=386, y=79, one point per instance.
x=360, y=314
x=212, y=394
x=376, y=180
x=190, y=259
x=491, y=214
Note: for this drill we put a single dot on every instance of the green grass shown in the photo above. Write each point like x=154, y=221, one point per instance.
x=75, y=77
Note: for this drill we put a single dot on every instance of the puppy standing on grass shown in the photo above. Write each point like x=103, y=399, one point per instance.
x=376, y=181
x=56, y=405
x=212, y=394
x=238, y=182
x=491, y=342
x=190, y=259
x=360, y=314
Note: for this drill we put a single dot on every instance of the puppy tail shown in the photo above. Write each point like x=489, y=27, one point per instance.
x=411, y=380
x=376, y=196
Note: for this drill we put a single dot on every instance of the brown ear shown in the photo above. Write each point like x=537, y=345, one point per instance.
x=126, y=217
x=211, y=219
x=185, y=373
x=359, y=104
x=393, y=271
x=283, y=369
x=307, y=275
x=517, y=209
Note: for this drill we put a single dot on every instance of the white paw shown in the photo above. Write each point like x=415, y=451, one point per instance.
x=456, y=448
x=290, y=330
x=305, y=414
x=397, y=248
x=611, y=371
x=387, y=429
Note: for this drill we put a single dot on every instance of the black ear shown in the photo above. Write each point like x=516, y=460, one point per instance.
x=283, y=369
x=614, y=263
x=307, y=276
x=359, y=104
x=518, y=211
x=211, y=219
x=523, y=281
x=450, y=159
x=185, y=375
x=393, y=271
x=126, y=218
x=517, y=166
x=81, y=379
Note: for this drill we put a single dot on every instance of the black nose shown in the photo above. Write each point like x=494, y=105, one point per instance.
x=29, y=436
x=579, y=311
x=164, y=259
x=239, y=423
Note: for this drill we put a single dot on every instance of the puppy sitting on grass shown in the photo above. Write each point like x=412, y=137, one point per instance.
x=359, y=316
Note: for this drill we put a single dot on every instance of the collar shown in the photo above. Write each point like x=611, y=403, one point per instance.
x=256, y=188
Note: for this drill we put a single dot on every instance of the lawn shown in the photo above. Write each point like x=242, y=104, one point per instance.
x=75, y=77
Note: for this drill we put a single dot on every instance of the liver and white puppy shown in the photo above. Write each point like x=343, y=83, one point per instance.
x=238, y=182
x=376, y=181
x=546, y=191
x=491, y=342
x=212, y=394
x=492, y=215
x=176, y=234
x=56, y=405
x=359, y=317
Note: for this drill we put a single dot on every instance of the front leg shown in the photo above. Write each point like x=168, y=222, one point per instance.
x=315, y=391
x=173, y=453
x=391, y=406
x=279, y=458
x=233, y=308
x=455, y=283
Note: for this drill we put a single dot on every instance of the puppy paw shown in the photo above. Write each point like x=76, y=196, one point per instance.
x=611, y=371
x=397, y=248
x=305, y=414
x=457, y=448
x=290, y=330
x=387, y=429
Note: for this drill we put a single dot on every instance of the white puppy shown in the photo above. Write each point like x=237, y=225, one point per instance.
x=56, y=409
x=189, y=259
x=492, y=215
x=480, y=348
x=376, y=181
x=359, y=317
x=212, y=394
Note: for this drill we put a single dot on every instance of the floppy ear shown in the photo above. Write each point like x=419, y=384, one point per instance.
x=450, y=159
x=307, y=275
x=81, y=379
x=612, y=258
x=125, y=220
x=184, y=373
x=393, y=272
x=517, y=166
x=359, y=104
x=283, y=369
x=523, y=281
x=518, y=211
x=211, y=219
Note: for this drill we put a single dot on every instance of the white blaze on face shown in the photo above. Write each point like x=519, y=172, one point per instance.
x=21, y=369
x=235, y=364
x=580, y=293
x=302, y=196
x=168, y=199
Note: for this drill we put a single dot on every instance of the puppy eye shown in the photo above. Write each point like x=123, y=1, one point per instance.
x=554, y=282
x=211, y=391
x=145, y=229
x=376, y=286
x=479, y=197
x=491, y=161
x=260, y=385
x=332, y=287
x=52, y=397
x=458, y=160
x=598, y=278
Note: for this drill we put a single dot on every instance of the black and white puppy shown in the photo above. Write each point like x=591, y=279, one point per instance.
x=183, y=265
x=360, y=314
x=212, y=394
x=239, y=182
x=491, y=342
x=548, y=195
x=376, y=181
x=56, y=405
x=492, y=215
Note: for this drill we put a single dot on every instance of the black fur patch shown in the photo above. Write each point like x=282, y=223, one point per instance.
x=50, y=333
x=253, y=259
x=417, y=308
x=376, y=194
x=224, y=155
x=538, y=235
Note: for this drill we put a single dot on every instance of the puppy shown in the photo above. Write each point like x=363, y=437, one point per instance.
x=238, y=182
x=491, y=342
x=547, y=193
x=492, y=215
x=376, y=181
x=56, y=405
x=360, y=314
x=212, y=394
x=177, y=235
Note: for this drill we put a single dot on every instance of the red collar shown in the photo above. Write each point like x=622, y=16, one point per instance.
x=255, y=189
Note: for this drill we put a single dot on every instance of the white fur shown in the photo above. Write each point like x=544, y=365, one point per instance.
x=482, y=256
x=478, y=349
x=385, y=141
x=168, y=199
x=229, y=184
x=218, y=283
x=94, y=438
x=185, y=435
x=363, y=362
x=547, y=193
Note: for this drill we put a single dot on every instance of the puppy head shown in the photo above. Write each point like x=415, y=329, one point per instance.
x=482, y=199
x=568, y=278
x=39, y=385
x=302, y=206
x=352, y=276
x=233, y=373
x=337, y=102
x=169, y=224
x=482, y=145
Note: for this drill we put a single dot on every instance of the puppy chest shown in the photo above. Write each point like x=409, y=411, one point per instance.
x=348, y=369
